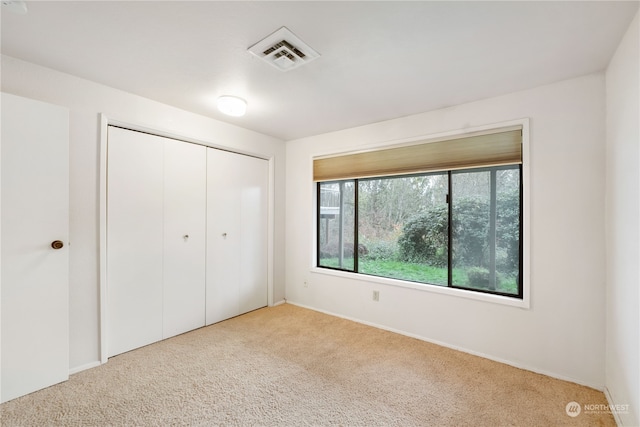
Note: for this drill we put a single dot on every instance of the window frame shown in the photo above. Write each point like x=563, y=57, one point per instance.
x=522, y=300
x=450, y=208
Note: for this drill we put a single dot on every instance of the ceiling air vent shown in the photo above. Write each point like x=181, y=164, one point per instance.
x=284, y=50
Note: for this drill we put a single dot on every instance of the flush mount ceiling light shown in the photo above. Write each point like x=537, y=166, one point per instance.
x=232, y=106
x=284, y=50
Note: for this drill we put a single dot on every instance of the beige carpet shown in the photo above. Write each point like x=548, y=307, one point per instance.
x=288, y=366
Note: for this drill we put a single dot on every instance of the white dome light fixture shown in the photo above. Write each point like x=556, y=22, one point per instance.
x=232, y=106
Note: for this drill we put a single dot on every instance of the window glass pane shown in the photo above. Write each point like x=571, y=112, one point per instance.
x=508, y=230
x=486, y=229
x=402, y=228
x=336, y=221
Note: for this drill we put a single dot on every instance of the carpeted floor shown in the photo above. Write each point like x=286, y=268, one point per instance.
x=288, y=366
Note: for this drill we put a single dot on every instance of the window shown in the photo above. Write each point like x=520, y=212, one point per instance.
x=336, y=226
x=457, y=228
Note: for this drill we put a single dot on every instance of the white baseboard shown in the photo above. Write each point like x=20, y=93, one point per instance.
x=598, y=387
x=278, y=303
x=611, y=403
x=84, y=367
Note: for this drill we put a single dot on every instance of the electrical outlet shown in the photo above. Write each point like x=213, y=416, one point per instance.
x=376, y=295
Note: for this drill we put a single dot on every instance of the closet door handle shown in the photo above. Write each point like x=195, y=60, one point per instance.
x=185, y=237
x=57, y=244
x=224, y=235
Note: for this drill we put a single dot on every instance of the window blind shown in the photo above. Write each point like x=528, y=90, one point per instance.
x=500, y=147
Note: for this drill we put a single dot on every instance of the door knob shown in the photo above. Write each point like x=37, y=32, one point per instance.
x=57, y=244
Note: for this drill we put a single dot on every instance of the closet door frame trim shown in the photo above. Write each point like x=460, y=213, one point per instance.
x=105, y=122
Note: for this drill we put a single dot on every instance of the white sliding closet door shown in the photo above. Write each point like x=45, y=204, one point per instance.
x=35, y=272
x=156, y=217
x=134, y=239
x=237, y=218
x=185, y=189
x=253, y=233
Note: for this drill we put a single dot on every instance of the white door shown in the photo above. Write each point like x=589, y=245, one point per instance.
x=35, y=276
x=237, y=195
x=156, y=214
x=134, y=239
x=185, y=192
x=254, y=233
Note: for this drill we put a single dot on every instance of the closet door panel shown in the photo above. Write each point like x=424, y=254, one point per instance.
x=237, y=218
x=253, y=231
x=134, y=239
x=185, y=176
x=223, y=235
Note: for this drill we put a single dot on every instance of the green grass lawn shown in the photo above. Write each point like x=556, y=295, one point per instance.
x=416, y=272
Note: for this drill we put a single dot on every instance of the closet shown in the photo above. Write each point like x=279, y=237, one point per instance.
x=181, y=251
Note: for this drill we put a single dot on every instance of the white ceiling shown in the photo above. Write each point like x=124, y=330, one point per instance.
x=380, y=60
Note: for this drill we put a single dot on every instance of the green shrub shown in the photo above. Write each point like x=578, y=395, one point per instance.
x=424, y=238
x=380, y=250
x=478, y=276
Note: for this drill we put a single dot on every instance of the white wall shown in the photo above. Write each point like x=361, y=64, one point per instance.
x=622, y=224
x=86, y=100
x=563, y=333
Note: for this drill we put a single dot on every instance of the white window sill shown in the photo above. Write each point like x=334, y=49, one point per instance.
x=460, y=293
